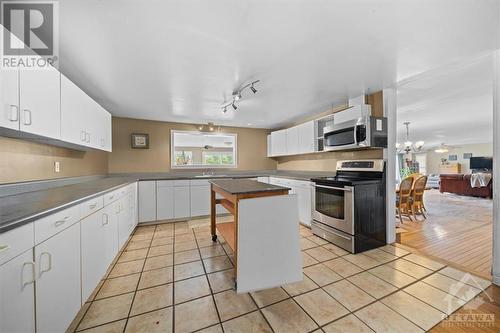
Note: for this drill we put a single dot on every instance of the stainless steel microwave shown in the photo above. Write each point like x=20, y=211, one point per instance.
x=364, y=132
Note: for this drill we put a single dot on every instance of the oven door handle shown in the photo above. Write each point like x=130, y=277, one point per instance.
x=347, y=189
x=355, y=136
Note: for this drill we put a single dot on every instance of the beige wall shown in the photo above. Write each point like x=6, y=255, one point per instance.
x=252, y=146
x=324, y=161
x=22, y=160
x=434, y=159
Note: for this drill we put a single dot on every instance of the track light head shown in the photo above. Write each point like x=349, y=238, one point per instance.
x=253, y=89
x=224, y=110
x=237, y=95
x=234, y=106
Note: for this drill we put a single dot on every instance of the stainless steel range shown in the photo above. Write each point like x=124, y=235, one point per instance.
x=350, y=208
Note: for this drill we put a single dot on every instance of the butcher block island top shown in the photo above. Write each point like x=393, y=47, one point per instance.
x=264, y=233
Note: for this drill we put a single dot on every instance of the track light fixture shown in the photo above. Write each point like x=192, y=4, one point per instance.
x=253, y=89
x=237, y=95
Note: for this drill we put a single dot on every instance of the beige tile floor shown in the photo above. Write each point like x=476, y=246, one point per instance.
x=172, y=278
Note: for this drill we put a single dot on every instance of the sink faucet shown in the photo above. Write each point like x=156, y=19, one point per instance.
x=208, y=172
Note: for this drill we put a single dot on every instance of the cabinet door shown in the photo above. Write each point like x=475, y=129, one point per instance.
x=278, y=143
x=147, y=201
x=17, y=294
x=306, y=137
x=73, y=113
x=9, y=99
x=165, y=202
x=40, y=102
x=111, y=215
x=9, y=95
x=200, y=200
x=93, y=238
x=58, y=284
x=125, y=220
x=182, y=205
x=292, y=140
x=304, y=196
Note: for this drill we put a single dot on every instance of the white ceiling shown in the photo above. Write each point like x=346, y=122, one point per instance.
x=180, y=60
x=451, y=105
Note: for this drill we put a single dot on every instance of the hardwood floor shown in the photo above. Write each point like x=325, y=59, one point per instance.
x=458, y=229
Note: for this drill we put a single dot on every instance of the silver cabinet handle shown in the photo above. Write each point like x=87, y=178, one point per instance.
x=83, y=135
x=41, y=261
x=87, y=137
x=27, y=116
x=105, y=219
x=92, y=206
x=14, y=113
x=33, y=277
x=59, y=223
x=4, y=248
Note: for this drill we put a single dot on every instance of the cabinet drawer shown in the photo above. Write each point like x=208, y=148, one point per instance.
x=91, y=206
x=16, y=241
x=164, y=183
x=113, y=196
x=52, y=224
x=199, y=182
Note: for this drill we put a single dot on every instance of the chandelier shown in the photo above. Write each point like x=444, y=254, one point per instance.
x=408, y=146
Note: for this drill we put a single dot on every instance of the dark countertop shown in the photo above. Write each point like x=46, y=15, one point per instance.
x=17, y=210
x=245, y=186
x=21, y=203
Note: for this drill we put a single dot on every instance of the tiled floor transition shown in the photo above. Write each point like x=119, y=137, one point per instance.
x=173, y=278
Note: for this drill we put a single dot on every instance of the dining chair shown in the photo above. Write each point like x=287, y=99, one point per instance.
x=417, y=197
x=403, y=199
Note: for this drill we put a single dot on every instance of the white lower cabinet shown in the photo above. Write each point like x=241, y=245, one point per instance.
x=126, y=220
x=58, y=286
x=147, y=201
x=304, y=198
x=164, y=200
x=17, y=294
x=200, y=200
x=93, y=248
x=111, y=215
x=182, y=206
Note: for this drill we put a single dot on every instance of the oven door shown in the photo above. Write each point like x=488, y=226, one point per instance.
x=333, y=206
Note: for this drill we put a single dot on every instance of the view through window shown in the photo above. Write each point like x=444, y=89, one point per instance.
x=190, y=149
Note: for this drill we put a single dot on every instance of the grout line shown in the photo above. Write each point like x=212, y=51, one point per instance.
x=255, y=303
x=208, y=281
x=136, y=287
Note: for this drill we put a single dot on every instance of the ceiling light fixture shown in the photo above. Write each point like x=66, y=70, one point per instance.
x=237, y=95
x=442, y=149
x=408, y=146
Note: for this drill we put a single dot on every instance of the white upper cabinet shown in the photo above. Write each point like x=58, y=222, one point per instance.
x=83, y=121
x=292, y=140
x=40, y=107
x=306, y=137
x=9, y=95
x=9, y=98
x=278, y=143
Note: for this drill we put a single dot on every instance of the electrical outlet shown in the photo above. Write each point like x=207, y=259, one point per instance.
x=57, y=166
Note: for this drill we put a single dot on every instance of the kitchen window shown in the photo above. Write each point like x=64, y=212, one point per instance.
x=190, y=149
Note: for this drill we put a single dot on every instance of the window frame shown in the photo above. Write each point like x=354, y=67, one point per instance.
x=204, y=166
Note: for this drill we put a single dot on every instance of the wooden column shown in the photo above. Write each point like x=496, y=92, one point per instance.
x=390, y=111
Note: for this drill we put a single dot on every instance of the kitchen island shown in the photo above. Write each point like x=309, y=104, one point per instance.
x=264, y=234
